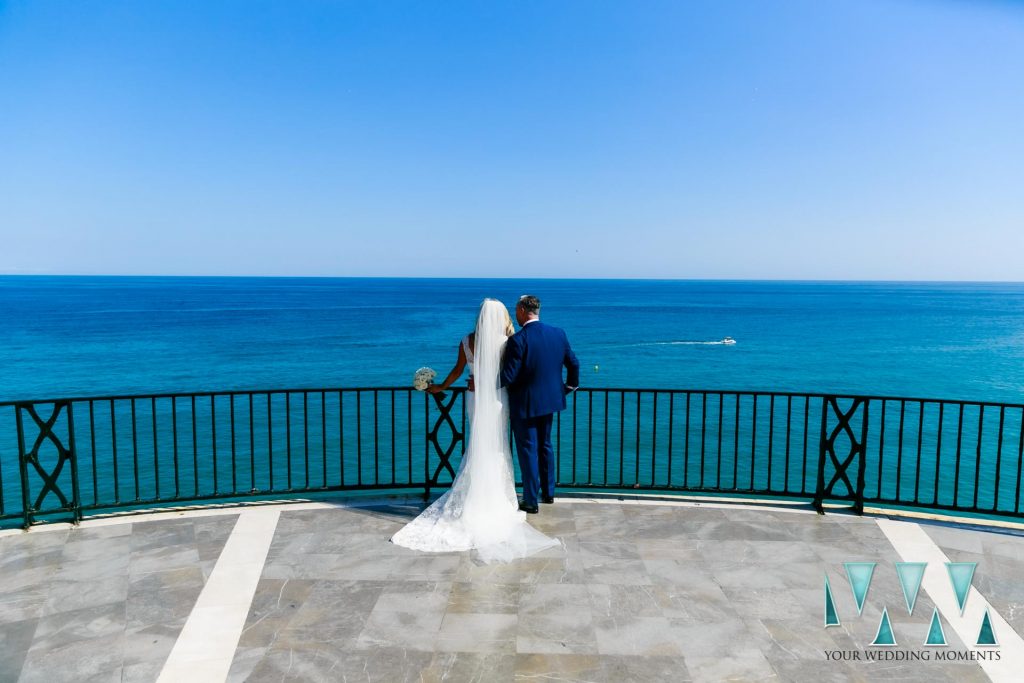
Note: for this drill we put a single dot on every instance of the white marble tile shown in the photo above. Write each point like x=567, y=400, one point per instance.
x=211, y=634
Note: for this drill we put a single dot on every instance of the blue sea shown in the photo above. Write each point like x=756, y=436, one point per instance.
x=80, y=336
x=96, y=336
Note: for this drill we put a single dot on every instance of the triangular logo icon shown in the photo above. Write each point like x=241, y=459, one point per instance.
x=911, y=574
x=960, y=575
x=936, y=636
x=885, y=636
x=986, y=635
x=859, y=575
x=831, y=616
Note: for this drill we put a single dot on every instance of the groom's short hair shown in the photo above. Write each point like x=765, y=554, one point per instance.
x=530, y=303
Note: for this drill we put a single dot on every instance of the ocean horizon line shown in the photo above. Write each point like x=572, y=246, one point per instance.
x=180, y=276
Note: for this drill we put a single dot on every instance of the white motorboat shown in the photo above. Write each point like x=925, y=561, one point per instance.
x=728, y=340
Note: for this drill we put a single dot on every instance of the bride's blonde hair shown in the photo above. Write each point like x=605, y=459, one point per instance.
x=510, y=329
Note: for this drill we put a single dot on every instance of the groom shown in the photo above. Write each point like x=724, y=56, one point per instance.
x=532, y=371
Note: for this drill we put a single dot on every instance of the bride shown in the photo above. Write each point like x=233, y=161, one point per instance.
x=480, y=511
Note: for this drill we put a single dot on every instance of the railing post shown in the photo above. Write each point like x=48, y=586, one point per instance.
x=76, y=501
x=26, y=512
x=858, y=505
x=819, y=488
x=426, y=448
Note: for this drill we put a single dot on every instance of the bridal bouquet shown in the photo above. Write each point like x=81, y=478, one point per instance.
x=423, y=378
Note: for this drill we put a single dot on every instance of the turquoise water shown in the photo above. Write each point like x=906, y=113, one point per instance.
x=98, y=335
x=86, y=336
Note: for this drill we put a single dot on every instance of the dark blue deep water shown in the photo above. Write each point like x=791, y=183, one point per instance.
x=94, y=336
x=73, y=336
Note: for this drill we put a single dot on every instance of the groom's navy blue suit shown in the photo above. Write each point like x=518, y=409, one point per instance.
x=532, y=371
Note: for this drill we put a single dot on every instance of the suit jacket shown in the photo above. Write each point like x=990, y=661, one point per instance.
x=532, y=370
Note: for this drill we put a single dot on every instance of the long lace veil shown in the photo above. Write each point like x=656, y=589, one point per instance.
x=489, y=460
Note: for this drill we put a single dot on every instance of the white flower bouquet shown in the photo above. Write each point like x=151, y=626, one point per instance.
x=423, y=378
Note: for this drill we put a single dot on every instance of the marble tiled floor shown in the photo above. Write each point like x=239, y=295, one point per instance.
x=639, y=592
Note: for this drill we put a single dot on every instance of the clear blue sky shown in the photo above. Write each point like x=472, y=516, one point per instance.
x=847, y=139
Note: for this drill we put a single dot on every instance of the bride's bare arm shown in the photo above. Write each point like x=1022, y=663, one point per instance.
x=460, y=365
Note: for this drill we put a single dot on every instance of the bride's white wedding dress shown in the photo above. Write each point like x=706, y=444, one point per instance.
x=481, y=511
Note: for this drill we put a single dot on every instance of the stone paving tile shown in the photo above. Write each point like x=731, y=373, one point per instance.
x=741, y=664
x=628, y=635
x=55, y=631
x=64, y=596
x=553, y=598
x=150, y=645
x=334, y=611
x=402, y=614
x=489, y=598
x=143, y=672
x=101, y=602
x=162, y=597
x=664, y=549
x=695, y=604
x=598, y=668
x=556, y=526
x=769, y=603
x=424, y=567
x=211, y=534
x=411, y=630
x=615, y=571
x=689, y=572
x=112, y=560
x=274, y=605
x=28, y=546
x=595, y=551
x=729, y=530
x=636, y=592
x=473, y=570
x=817, y=670
x=477, y=633
x=790, y=640
x=162, y=559
x=323, y=566
x=94, y=659
x=15, y=640
x=713, y=639
x=609, y=600
x=23, y=603
x=552, y=570
x=245, y=661
x=159, y=535
x=557, y=633
x=80, y=548
x=413, y=596
x=940, y=672
x=469, y=667
x=319, y=662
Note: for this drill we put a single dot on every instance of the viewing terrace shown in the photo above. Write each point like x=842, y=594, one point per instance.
x=693, y=547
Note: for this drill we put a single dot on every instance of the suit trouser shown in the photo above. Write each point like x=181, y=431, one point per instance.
x=536, y=456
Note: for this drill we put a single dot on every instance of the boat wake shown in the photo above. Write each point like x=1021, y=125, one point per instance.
x=728, y=341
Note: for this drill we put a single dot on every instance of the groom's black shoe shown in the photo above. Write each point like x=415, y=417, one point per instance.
x=530, y=509
x=547, y=499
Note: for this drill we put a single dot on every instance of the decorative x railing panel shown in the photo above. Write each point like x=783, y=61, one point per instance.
x=35, y=471
x=444, y=422
x=848, y=464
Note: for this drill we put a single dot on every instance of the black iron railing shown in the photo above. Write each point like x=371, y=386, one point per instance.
x=61, y=459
